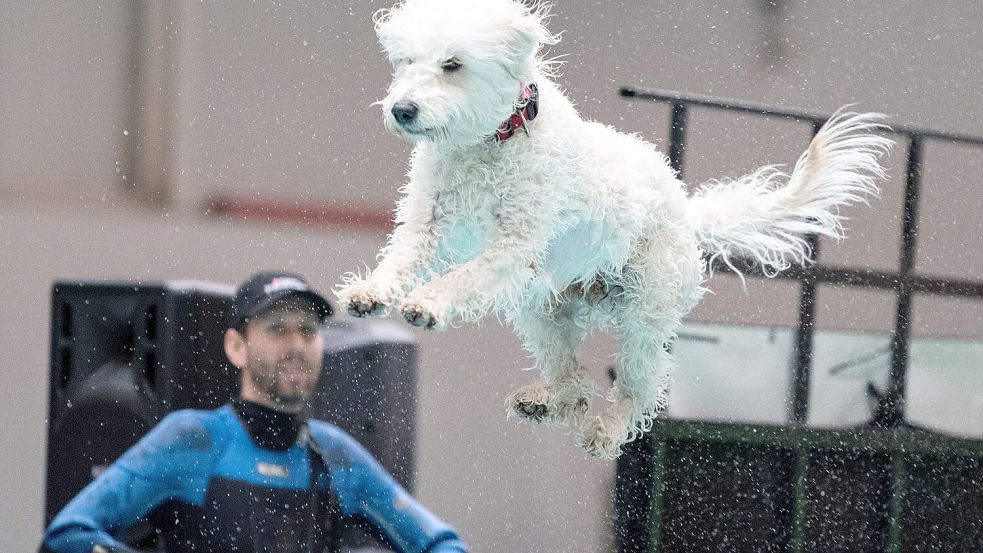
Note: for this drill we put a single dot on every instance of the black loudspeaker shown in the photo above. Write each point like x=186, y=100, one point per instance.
x=368, y=388
x=123, y=355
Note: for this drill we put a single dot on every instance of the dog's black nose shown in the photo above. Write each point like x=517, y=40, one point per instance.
x=405, y=111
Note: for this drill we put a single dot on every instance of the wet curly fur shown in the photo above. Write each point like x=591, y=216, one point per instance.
x=571, y=227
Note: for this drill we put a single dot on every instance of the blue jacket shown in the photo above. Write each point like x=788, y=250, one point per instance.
x=234, y=495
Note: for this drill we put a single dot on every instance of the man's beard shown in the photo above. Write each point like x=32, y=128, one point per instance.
x=275, y=383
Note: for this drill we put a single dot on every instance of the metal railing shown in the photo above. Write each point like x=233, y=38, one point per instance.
x=642, y=470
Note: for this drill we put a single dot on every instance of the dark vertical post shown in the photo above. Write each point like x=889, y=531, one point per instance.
x=800, y=386
x=895, y=397
x=797, y=541
x=803, y=349
x=805, y=332
x=636, y=477
x=899, y=487
x=660, y=449
x=677, y=137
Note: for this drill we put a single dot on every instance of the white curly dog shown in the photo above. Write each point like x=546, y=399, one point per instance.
x=516, y=205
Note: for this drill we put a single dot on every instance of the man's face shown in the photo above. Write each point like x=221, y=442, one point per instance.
x=283, y=349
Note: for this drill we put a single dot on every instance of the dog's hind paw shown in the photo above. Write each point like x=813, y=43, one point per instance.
x=540, y=403
x=603, y=436
x=530, y=402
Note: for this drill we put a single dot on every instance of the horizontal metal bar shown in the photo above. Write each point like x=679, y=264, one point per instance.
x=904, y=441
x=718, y=103
x=670, y=96
x=869, y=279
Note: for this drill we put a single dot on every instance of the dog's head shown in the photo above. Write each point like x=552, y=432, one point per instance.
x=458, y=65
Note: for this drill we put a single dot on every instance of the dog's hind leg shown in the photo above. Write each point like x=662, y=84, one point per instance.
x=563, y=395
x=638, y=395
x=657, y=295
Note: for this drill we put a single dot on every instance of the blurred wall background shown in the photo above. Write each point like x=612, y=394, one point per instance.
x=124, y=124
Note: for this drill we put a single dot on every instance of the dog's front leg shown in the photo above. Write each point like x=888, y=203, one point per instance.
x=495, y=278
x=470, y=290
x=401, y=262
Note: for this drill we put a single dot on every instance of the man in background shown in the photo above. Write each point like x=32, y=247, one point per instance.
x=254, y=475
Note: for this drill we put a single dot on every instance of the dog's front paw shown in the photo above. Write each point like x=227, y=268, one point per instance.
x=361, y=299
x=418, y=314
x=364, y=306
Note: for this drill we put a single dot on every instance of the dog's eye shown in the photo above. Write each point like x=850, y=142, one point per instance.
x=450, y=65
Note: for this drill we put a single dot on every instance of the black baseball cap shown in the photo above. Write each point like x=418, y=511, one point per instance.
x=263, y=289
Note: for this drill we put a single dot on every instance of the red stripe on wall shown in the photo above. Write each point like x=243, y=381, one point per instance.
x=297, y=213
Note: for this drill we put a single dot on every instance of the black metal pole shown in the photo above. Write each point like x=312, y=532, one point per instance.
x=805, y=332
x=895, y=398
x=677, y=137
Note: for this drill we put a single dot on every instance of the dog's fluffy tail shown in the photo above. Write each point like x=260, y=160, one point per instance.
x=758, y=218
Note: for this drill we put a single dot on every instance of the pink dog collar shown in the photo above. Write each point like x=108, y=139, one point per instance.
x=525, y=111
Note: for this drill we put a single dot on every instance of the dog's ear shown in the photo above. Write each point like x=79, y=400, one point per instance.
x=381, y=19
x=525, y=35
